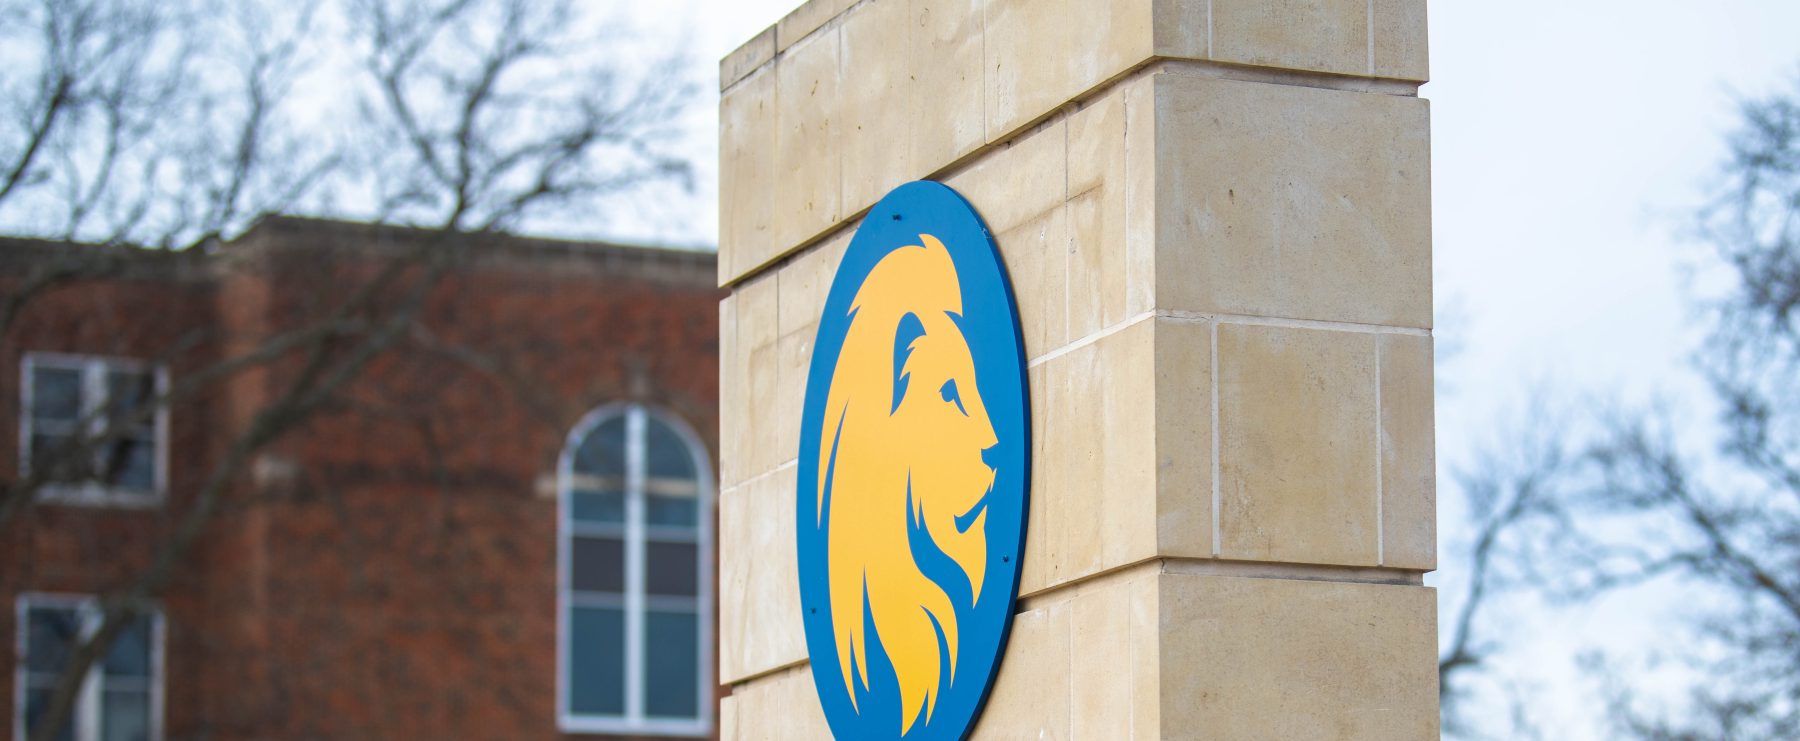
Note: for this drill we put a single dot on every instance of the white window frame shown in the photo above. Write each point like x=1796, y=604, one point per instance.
x=86, y=714
x=93, y=370
x=634, y=721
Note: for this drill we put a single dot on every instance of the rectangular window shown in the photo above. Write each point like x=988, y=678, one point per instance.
x=121, y=698
x=91, y=425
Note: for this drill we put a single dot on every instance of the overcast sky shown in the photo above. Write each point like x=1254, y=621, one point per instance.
x=1571, y=141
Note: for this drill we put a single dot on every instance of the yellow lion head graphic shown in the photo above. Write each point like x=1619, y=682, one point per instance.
x=901, y=449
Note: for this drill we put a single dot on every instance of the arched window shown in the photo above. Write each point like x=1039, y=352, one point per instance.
x=634, y=576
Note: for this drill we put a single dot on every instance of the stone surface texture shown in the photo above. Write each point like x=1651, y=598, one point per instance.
x=1287, y=659
x=1215, y=215
x=1297, y=445
x=929, y=83
x=759, y=607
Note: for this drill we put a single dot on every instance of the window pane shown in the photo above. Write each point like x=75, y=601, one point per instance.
x=36, y=702
x=671, y=664
x=597, y=564
x=596, y=661
x=129, y=463
x=52, y=633
x=666, y=455
x=125, y=715
x=129, y=655
x=56, y=394
x=671, y=569
x=129, y=391
x=602, y=452
x=671, y=486
x=597, y=506
x=671, y=511
x=65, y=464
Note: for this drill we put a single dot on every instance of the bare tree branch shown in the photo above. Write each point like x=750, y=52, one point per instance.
x=1516, y=493
x=145, y=131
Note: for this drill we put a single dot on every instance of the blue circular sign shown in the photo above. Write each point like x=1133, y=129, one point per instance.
x=913, y=472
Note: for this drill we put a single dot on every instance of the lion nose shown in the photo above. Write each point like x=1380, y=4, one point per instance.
x=990, y=455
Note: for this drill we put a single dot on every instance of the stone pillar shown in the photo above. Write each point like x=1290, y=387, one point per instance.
x=1216, y=218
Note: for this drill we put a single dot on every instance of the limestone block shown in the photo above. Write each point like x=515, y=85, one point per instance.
x=733, y=395
x=1408, y=454
x=802, y=21
x=1294, y=202
x=740, y=63
x=1013, y=183
x=1100, y=646
x=806, y=281
x=945, y=101
x=780, y=707
x=794, y=354
x=1282, y=659
x=1108, y=38
x=1030, y=698
x=1036, y=257
x=1145, y=596
x=1027, y=68
x=1020, y=192
x=760, y=446
x=809, y=161
x=758, y=307
x=1140, y=195
x=728, y=723
x=1099, y=456
x=1113, y=650
x=1184, y=485
x=1032, y=572
x=759, y=592
x=1044, y=53
x=802, y=283
x=1095, y=263
x=1316, y=35
x=1297, y=445
x=1097, y=249
x=1400, y=40
x=875, y=131
x=1097, y=144
x=747, y=182
x=1183, y=28
x=1122, y=442
x=1036, y=573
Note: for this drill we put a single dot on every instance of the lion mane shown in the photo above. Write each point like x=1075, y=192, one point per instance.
x=901, y=455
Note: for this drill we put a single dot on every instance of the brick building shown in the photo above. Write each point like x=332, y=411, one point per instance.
x=502, y=529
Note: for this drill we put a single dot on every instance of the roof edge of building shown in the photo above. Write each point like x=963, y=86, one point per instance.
x=284, y=235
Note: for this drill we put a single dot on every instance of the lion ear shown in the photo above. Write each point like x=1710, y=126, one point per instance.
x=909, y=329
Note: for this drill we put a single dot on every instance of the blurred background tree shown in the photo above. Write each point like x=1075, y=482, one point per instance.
x=132, y=128
x=1574, y=506
x=1726, y=521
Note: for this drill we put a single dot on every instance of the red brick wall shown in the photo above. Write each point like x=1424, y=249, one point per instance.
x=388, y=570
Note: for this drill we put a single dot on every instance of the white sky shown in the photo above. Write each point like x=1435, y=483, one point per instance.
x=1570, y=143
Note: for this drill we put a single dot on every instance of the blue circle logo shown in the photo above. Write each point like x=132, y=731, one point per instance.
x=913, y=472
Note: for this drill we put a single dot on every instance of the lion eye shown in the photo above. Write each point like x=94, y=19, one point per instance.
x=949, y=393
